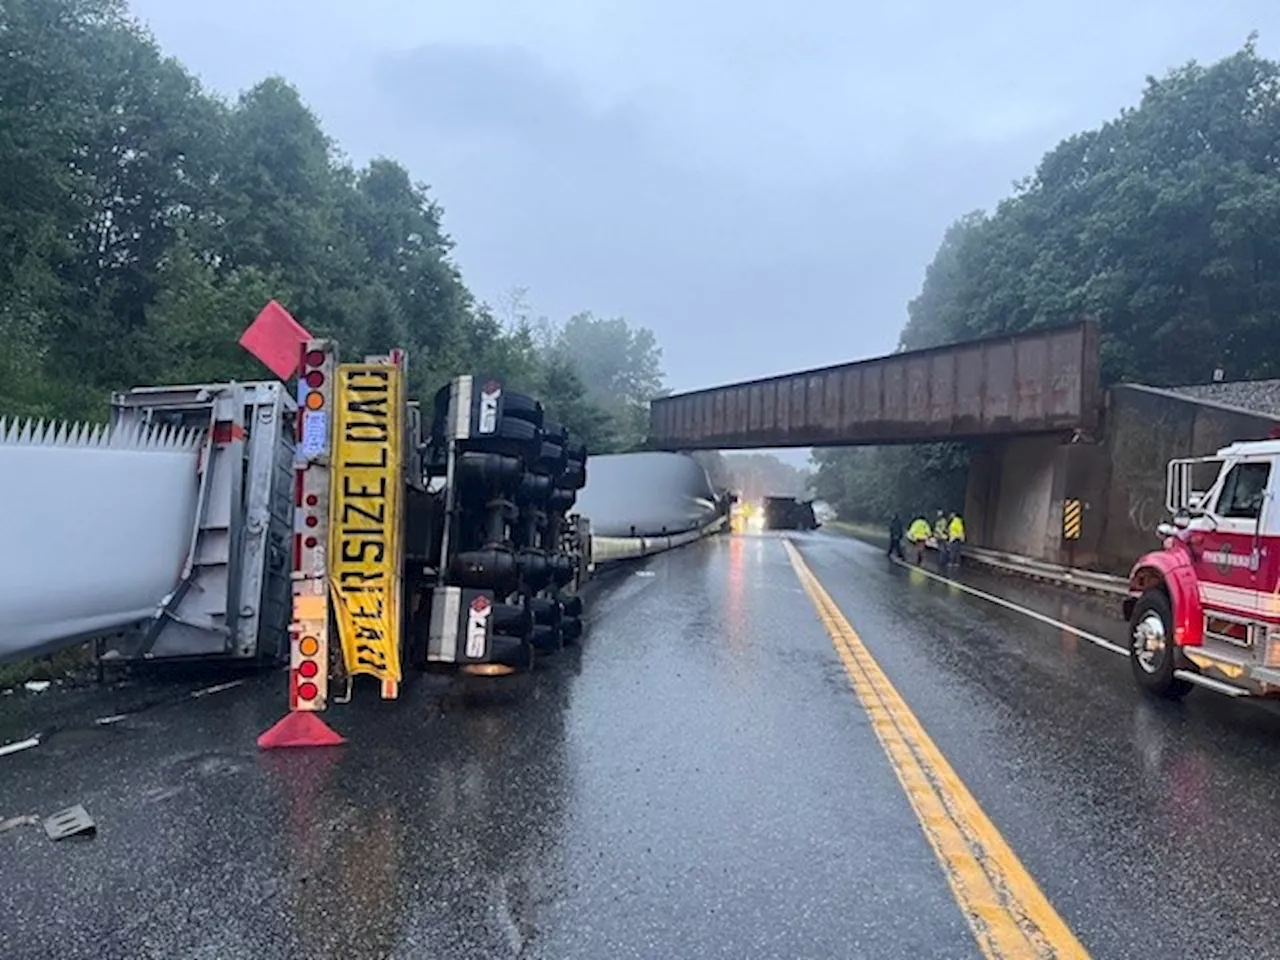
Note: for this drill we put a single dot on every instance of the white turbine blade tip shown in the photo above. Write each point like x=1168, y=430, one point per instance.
x=134, y=435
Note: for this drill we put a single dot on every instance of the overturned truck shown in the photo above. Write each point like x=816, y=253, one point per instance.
x=502, y=478
x=238, y=523
x=342, y=529
x=444, y=542
x=789, y=513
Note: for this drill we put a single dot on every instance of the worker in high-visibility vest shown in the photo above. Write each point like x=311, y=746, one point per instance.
x=955, y=538
x=917, y=534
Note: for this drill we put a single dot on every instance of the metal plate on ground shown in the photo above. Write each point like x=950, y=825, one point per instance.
x=69, y=822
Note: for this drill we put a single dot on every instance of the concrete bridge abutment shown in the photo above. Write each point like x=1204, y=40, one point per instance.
x=1020, y=489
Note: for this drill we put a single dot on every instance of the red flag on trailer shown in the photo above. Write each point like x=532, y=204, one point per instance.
x=275, y=337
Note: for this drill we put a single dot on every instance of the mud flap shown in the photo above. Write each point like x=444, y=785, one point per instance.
x=461, y=628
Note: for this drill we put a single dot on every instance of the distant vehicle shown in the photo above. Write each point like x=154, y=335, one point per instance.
x=1202, y=609
x=788, y=513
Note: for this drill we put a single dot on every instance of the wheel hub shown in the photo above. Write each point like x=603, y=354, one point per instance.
x=1149, y=641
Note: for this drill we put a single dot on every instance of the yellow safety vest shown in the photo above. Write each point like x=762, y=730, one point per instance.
x=957, y=529
x=919, y=530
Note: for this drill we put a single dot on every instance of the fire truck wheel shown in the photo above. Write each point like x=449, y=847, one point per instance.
x=1152, y=654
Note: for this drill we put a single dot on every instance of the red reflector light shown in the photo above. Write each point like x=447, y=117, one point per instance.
x=315, y=379
x=313, y=359
x=307, y=691
x=312, y=521
x=311, y=542
x=308, y=668
x=312, y=499
x=224, y=431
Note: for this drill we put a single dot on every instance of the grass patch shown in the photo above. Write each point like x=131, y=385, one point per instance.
x=53, y=666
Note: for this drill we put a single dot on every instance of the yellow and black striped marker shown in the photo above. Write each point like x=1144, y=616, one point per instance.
x=1072, y=511
x=1009, y=915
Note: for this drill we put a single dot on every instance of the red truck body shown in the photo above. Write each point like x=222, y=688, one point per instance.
x=1204, y=609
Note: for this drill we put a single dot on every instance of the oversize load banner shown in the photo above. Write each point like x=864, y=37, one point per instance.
x=364, y=516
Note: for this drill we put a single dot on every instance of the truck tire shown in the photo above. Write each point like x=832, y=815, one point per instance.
x=521, y=407
x=513, y=428
x=1152, y=654
x=571, y=631
x=550, y=456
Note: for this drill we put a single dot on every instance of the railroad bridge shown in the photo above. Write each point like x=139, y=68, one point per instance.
x=1061, y=469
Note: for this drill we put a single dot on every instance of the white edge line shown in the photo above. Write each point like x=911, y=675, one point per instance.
x=217, y=688
x=1093, y=638
x=27, y=744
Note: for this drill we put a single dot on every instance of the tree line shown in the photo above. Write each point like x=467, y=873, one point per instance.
x=144, y=221
x=754, y=476
x=1164, y=224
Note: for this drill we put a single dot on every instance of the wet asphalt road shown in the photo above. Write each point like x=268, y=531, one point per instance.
x=698, y=781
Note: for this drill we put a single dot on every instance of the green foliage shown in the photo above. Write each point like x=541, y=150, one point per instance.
x=759, y=475
x=1164, y=224
x=618, y=367
x=144, y=222
x=872, y=483
x=718, y=473
x=754, y=476
x=566, y=400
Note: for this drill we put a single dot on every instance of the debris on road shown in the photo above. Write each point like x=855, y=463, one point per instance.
x=19, y=746
x=70, y=822
x=29, y=820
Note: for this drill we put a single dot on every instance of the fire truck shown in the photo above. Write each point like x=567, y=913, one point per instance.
x=1204, y=609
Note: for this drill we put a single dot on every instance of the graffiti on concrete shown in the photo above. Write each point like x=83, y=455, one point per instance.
x=1145, y=510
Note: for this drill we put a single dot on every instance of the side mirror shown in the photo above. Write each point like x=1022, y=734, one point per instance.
x=1182, y=519
x=1165, y=530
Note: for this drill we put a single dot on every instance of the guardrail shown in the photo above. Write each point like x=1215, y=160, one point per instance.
x=1091, y=580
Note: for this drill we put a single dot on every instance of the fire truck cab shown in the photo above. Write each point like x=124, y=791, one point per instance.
x=1204, y=609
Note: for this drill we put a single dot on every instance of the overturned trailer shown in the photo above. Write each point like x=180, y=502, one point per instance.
x=789, y=513
x=163, y=534
x=343, y=530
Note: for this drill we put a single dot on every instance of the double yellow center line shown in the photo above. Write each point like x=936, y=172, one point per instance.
x=1008, y=913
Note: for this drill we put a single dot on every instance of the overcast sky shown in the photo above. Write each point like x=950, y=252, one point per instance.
x=762, y=188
